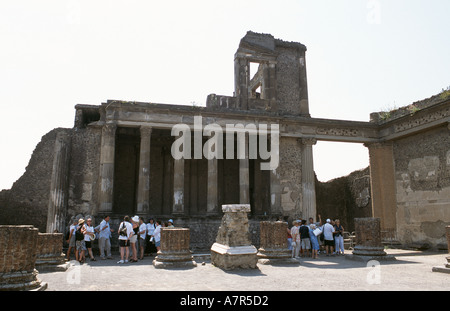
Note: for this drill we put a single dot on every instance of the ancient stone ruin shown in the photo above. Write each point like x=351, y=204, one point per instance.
x=446, y=267
x=50, y=256
x=368, y=241
x=175, y=249
x=233, y=248
x=117, y=160
x=274, y=249
x=18, y=245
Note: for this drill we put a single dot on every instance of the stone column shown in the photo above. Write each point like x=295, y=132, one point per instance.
x=143, y=195
x=382, y=180
x=18, y=245
x=233, y=248
x=174, y=250
x=308, y=179
x=57, y=204
x=107, y=154
x=213, y=184
x=368, y=240
x=178, y=187
x=244, y=176
x=241, y=81
x=50, y=256
x=274, y=248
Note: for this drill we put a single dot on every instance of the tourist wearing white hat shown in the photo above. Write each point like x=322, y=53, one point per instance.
x=295, y=238
x=170, y=224
x=328, y=231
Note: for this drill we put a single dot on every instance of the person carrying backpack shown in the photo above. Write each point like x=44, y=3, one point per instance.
x=79, y=240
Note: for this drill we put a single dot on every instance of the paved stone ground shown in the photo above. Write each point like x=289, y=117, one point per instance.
x=411, y=271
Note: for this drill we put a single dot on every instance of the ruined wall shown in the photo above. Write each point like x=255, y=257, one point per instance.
x=422, y=172
x=84, y=171
x=345, y=198
x=26, y=203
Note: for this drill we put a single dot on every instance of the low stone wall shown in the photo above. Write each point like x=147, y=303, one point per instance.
x=18, y=252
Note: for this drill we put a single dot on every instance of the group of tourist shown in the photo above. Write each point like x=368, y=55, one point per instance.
x=306, y=239
x=142, y=238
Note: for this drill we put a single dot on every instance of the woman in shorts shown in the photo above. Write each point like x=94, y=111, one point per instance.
x=125, y=232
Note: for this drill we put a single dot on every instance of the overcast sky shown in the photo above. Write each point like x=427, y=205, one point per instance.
x=363, y=56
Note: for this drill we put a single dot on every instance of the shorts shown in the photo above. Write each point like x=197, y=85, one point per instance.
x=306, y=243
x=81, y=245
x=124, y=243
x=142, y=242
x=88, y=244
x=329, y=242
x=72, y=241
x=133, y=239
x=158, y=244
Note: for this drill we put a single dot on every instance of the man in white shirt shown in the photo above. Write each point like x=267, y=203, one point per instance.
x=104, y=238
x=142, y=236
x=151, y=226
x=328, y=231
x=125, y=233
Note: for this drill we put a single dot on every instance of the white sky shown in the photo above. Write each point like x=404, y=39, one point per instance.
x=363, y=56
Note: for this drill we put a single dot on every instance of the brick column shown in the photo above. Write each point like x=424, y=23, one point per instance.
x=273, y=240
x=18, y=245
x=143, y=195
x=213, y=191
x=174, y=250
x=178, y=187
x=382, y=179
x=57, y=204
x=107, y=154
x=50, y=256
x=368, y=240
x=308, y=180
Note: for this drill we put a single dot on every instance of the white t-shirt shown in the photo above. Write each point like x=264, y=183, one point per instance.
x=143, y=227
x=74, y=228
x=129, y=230
x=106, y=233
x=151, y=228
x=157, y=234
x=328, y=230
x=87, y=237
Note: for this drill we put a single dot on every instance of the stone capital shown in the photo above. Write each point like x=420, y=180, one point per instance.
x=308, y=141
x=146, y=131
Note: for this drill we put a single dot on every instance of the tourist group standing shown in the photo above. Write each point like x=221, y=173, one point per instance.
x=136, y=238
x=306, y=239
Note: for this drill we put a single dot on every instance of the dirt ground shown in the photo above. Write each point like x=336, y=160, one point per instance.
x=411, y=271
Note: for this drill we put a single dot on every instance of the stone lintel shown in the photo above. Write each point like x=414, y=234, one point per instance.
x=235, y=208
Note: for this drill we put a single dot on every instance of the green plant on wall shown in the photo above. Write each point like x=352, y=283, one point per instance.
x=445, y=94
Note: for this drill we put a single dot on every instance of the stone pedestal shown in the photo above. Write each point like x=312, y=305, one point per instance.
x=446, y=268
x=233, y=248
x=368, y=241
x=174, y=250
x=18, y=258
x=274, y=249
x=50, y=256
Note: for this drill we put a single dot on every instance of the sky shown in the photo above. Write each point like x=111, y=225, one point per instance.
x=362, y=56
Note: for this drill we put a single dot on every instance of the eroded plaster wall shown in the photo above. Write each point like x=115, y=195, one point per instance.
x=422, y=173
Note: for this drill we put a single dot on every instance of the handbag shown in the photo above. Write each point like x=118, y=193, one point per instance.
x=317, y=232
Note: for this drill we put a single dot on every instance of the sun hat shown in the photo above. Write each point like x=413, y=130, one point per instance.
x=171, y=221
x=328, y=220
x=80, y=221
x=135, y=218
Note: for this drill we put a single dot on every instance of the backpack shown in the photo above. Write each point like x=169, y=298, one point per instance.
x=123, y=229
x=78, y=235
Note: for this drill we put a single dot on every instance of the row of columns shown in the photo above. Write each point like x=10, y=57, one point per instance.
x=143, y=192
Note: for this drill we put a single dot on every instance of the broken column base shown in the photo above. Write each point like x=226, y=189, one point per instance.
x=234, y=257
x=174, y=260
x=52, y=263
x=276, y=257
x=21, y=281
x=444, y=269
x=366, y=253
